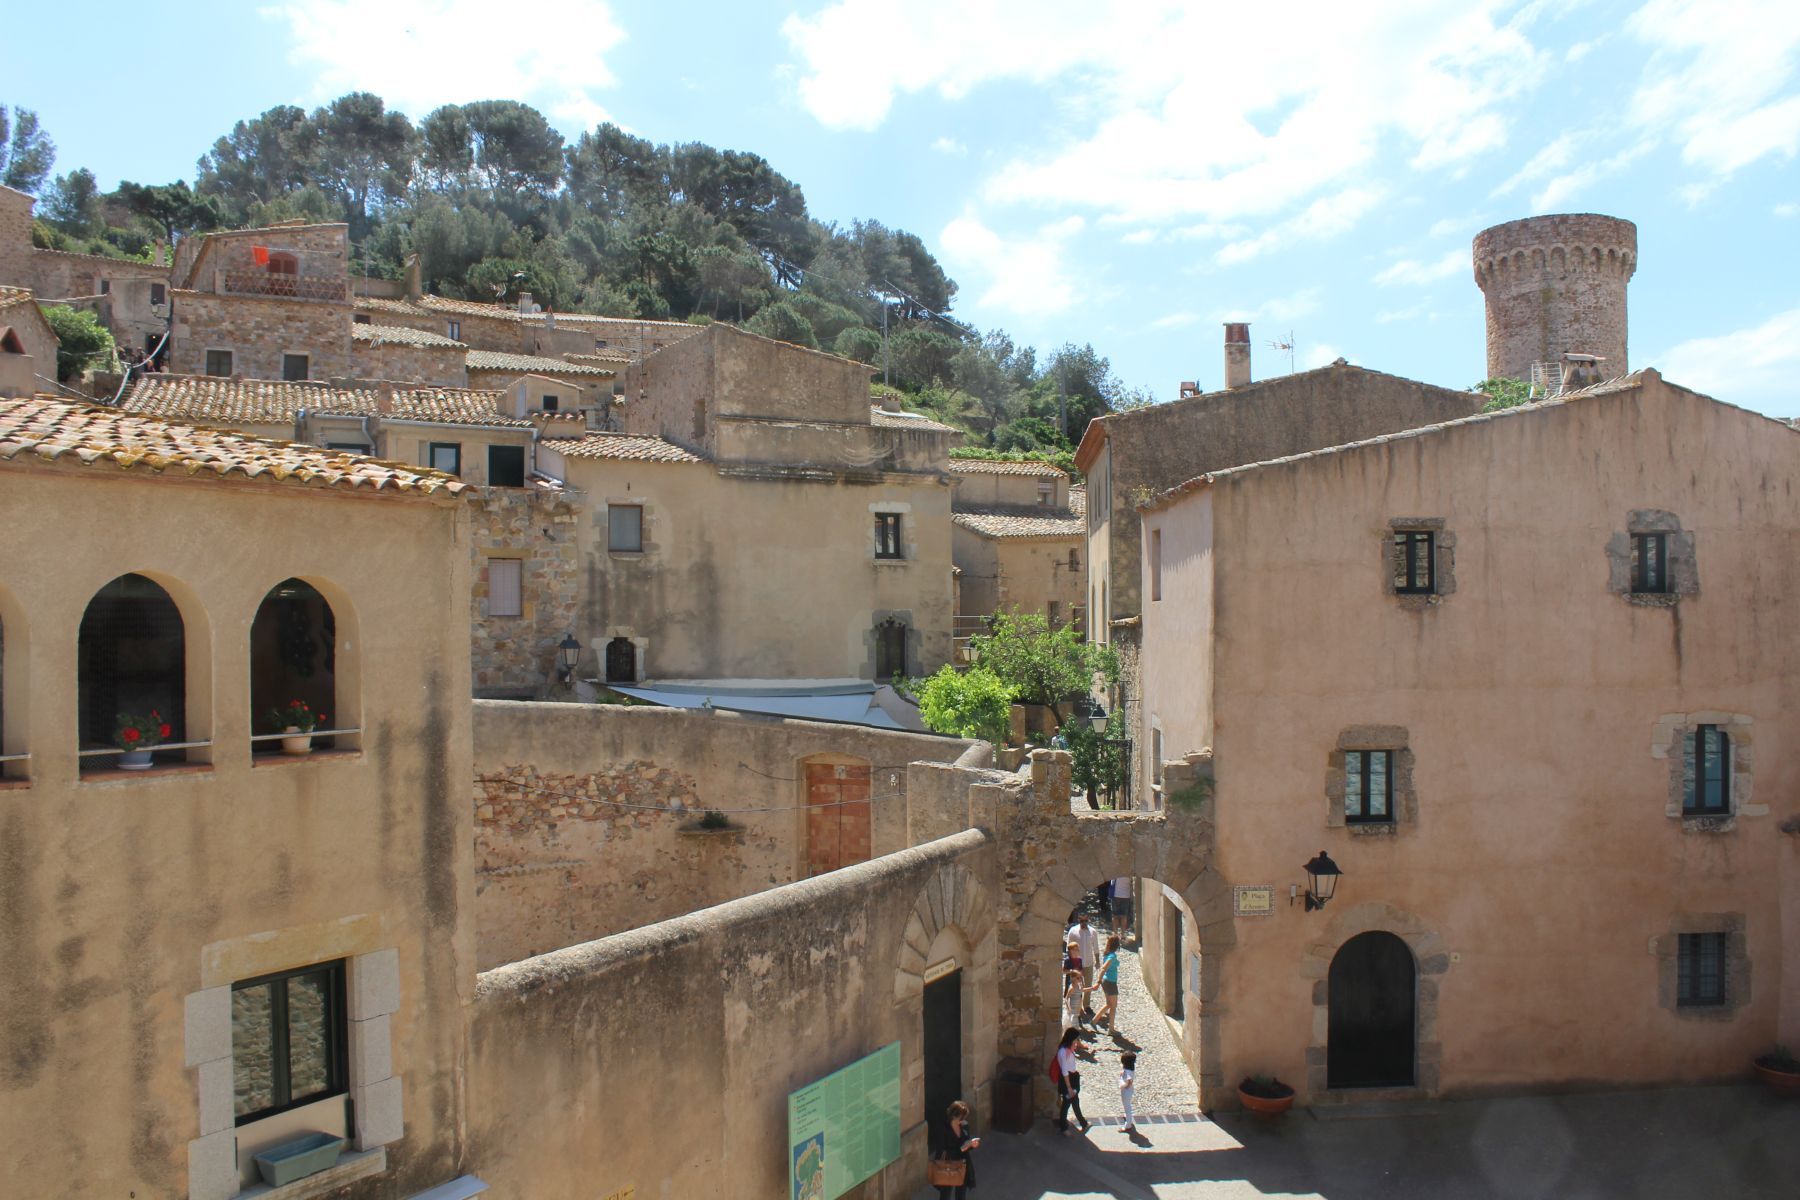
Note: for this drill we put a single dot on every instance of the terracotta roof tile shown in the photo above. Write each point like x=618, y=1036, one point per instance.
x=626, y=446
x=400, y=335
x=1010, y=521
x=449, y=406
x=50, y=430
x=881, y=418
x=602, y=358
x=249, y=401
x=985, y=466
x=387, y=305
x=531, y=364
x=10, y=296
x=1078, y=499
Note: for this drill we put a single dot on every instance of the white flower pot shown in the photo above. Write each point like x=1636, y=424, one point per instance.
x=298, y=742
x=134, y=760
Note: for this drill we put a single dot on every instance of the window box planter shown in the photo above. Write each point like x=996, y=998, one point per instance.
x=299, y=1158
x=1780, y=1073
x=1265, y=1095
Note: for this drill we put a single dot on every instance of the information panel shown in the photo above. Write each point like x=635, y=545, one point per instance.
x=845, y=1127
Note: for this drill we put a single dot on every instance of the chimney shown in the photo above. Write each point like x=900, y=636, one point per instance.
x=525, y=305
x=415, y=286
x=1237, y=354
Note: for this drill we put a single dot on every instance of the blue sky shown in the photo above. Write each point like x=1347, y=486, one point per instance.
x=1130, y=174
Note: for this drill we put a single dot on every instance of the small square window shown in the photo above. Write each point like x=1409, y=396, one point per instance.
x=625, y=527
x=219, y=362
x=599, y=344
x=551, y=403
x=444, y=456
x=1708, y=772
x=1700, y=970
x=506, y=466
x=1649, y=563
x=295, y=367
x=454, y=329
x=288, y=1041
x=1414, y=562
x=1368, y=787
x=159, y=293
x=1046, y=492
x=505, y=591
x=887, y=536
x=360, y=319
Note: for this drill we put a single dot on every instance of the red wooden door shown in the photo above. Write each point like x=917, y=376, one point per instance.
x=837, y=816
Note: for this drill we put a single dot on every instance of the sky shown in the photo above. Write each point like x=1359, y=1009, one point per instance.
x=1128, y=174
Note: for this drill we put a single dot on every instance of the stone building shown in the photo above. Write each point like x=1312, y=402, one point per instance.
x=1555, y=287
x=22, y=322
x=1524, y=677
x=270, y=303
x=1019, y=541
x=159, y=921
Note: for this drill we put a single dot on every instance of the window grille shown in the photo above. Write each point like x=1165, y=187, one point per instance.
x=621, y=661
x=1414, y=562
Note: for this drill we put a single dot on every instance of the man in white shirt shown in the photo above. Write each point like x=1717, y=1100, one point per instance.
x=1121, y=906
x=1088, y=938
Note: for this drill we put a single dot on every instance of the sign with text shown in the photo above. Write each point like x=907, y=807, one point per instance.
x=1253, y=900
x=845, y=1127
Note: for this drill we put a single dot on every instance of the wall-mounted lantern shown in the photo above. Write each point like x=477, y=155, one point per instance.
x=568, y=653
x=1321, y=881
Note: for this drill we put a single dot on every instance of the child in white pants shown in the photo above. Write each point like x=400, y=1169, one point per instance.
x=1127, y=1089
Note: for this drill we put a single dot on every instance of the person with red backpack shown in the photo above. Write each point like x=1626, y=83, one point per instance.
x=1065, y=1074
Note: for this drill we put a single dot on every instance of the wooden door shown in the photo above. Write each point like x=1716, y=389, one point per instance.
x=1371, y=1035
x=837, y=817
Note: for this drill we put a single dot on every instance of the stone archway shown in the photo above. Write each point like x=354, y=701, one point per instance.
x=1428, y=953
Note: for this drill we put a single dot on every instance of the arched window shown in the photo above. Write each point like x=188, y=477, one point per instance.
x=621, y=661
x=133, y=665
x=283, y=263
x=293, y=664
x=890, y=648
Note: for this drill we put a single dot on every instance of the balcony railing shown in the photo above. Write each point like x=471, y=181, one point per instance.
x=290, y=287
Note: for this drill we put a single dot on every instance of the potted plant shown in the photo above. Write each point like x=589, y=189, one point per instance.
x=1265, y=1094
x=136, y=736
x=1780, y=1072
x=297, y=719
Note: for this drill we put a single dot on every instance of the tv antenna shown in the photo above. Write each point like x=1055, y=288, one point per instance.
x=1288, y=347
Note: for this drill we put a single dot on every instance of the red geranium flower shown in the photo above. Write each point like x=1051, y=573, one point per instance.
x=131, y=735
x=162, y=731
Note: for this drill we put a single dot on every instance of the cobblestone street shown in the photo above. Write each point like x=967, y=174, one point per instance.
x=1163, y=1082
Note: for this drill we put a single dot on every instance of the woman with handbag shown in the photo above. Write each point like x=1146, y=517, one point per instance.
x=952, y=1168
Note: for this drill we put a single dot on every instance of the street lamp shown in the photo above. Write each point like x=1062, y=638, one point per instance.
x=1321, y=881
x=568, y=653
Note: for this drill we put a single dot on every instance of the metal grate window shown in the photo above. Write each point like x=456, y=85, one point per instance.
x=1708, y=771
x=1700, y=970
x=1415, y=562
x=1649, y=563
x=887, y=535
x=1369, y=787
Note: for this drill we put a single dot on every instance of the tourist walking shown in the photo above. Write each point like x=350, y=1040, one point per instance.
x=1121, y=906
x=1065, y=1070
x=1109, y=984
x=1128, y=1088
x=1087, y=937
x=1074, y=986
x=953, y=1140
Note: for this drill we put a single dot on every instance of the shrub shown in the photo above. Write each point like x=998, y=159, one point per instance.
x=971, y=704
x=83, y=341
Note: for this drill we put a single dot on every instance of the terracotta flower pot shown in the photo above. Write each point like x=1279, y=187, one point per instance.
x=1268, y=1106
x=1782, y=1083
x=298, y=741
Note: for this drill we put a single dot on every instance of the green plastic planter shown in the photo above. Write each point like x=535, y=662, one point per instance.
x=299, y=1158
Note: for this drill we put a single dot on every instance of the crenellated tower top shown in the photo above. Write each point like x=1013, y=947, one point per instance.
x=1555, y=286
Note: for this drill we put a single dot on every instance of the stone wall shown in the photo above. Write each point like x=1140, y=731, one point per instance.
x=1555, y=285
x=514, y=655
x=15, y=239
x=403, y=363
x=561, y=859
x=259, y=330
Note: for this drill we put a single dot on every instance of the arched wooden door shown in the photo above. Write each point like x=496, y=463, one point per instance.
x=621, y=661
x=1373, y=1010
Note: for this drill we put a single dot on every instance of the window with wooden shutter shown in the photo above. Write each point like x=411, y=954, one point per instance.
x=505, y=587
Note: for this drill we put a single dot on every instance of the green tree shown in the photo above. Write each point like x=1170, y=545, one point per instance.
x=971, y=704
x=500, y=145
x=172, y=207
x=1503, y=393
x=260, y=160
x=364, y=155
x=26, y=152
x=864, y=345
x=784, y=323
x=83, y=341
x=1041, y=665
x=1098, y=756
x=72, y=203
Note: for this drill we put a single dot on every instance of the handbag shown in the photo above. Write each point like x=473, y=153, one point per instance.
x=946, y=1172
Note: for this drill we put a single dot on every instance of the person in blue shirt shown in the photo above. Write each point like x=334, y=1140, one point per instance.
x=1109, y=984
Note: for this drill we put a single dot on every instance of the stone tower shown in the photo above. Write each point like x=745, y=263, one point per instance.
x=1555, y=285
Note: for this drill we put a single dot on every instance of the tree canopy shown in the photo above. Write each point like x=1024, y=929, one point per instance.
x=26, y=152
x=1042, y=665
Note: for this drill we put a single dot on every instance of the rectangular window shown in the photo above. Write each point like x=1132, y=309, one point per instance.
x=159, y=293
x=218, y=362
x=1046, y=492
x=444, y=456
x=1649, y=562
x=1700, y=970
x=1368, y=786
x=454, y=328
x=287, y=1040
x=550, y=403
x=106, y=287
x=360, y=319
x=625, y=527
x=1156, y=564
x=294, y=367
x=1413, y=562
x=599, y=344
x=505, y=591
x=1708, y=770
x=506, y=466
x=887, y=536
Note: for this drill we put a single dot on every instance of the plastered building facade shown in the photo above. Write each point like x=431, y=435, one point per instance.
x=1019, y=542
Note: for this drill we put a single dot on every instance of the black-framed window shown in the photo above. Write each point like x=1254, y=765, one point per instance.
x=551, y=403
x=1368, y=787
x=1708, y=764
x=295, y=368
x=887, y=536
x=159, y=294
x=1649, y=563
x=625, y=527
x=1414, y=562
x=506, y=466
x=288, y=1040
x=1700, y=970
x=444, y=456
x=219, y=362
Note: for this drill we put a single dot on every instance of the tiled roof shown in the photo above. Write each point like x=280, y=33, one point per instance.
x=10, y=296
x=984, y=466
x=881, y=418
x=248, y=401
x=468, y=308
x=387, y=305
x=449, y=406
x=400, y=335
x=601, y=357
x=1021, y=521
x=54, y=430
x=622, y=446
x=530, y=364
x=134, y=263
x=1078, y=499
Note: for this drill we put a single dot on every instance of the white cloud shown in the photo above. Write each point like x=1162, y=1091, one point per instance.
x=1318, y=356
x=950, y=146
x=1755, y=367
x=1176, y=320
x=1024, y=275
x=1323, y=218
x=1567, y=184
x=1278, y=308
x=418, y=54
x=1411, y=271
x=1421, y=310
x=1789, y=209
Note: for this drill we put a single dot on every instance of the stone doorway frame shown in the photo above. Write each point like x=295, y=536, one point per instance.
x=1431, y=960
